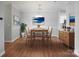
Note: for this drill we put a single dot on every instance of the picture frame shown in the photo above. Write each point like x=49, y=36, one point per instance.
x=72, y=20
x=16, y=20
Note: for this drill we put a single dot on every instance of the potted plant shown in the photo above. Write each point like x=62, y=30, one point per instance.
x=22, y=28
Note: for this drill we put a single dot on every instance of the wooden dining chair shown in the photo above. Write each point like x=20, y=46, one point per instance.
x=50, y=32
x=45, y=37
x=36, y=37
x=49, y=35
x=28, y=36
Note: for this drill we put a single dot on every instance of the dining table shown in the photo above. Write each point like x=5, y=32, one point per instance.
x=38, y=33
x=39, y=36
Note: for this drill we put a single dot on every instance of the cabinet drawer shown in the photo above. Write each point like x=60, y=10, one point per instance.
x=65, y=42
x=67, y=38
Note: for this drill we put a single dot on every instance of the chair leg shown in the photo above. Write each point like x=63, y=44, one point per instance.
x=26, y=42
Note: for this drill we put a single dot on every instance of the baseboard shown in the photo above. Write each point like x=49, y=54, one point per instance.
x=8, y=41
x=75, y=52
x=2, y=53
x=13, y=39
x=54, y=36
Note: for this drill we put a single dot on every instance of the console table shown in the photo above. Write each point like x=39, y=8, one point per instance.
x=67, y=38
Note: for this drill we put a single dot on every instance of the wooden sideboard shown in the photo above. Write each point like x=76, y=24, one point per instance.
x=67, y=38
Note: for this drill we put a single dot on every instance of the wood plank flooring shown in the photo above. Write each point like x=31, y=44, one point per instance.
x=19, y=48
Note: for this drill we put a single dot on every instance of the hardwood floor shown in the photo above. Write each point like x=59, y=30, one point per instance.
x=19, y=48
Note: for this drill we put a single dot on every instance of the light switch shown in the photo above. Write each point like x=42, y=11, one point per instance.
x=1, y=18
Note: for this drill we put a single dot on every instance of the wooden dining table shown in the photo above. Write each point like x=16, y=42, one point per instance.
x=41, y=33
x=39, y=37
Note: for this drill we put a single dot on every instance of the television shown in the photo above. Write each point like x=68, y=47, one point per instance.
x=38, y=20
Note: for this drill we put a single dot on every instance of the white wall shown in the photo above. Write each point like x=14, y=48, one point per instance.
x=8, y=31
x=70, y=10
x=48, y=9
x=51, y=19
x=51, y=14
x=7, y=23
x=1, y=30
x=77, y=29
x=67, y=10
x=15, y=28
x=11, y=30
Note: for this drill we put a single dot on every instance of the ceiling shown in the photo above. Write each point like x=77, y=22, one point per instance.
x=5, y=2
x=43, y=6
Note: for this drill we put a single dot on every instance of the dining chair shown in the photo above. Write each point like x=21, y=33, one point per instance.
x=49, y=35
x=45, y=37
x=36, y=36
x=50, y=32
x=28, y=36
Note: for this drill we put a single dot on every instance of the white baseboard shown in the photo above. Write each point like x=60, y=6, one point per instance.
x=75, y=52
x=2, y=53
x=13, y=39
x=54, y=35
x=8, y=41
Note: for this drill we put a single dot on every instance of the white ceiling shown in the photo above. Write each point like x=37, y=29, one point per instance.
x=44, y=6
x=5, y=2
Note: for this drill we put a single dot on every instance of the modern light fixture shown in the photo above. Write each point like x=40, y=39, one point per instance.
x=38, y=16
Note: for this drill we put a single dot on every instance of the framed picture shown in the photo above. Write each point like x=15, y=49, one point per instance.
x=72, y=20
x=38, y=20
x=16, y=20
